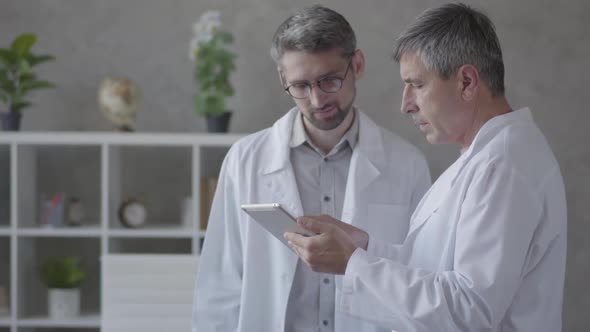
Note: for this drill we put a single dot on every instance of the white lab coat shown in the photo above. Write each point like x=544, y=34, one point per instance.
x=486, y=248
x=245, y=274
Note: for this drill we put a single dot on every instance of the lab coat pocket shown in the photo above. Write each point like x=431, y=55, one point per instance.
x=388, y=222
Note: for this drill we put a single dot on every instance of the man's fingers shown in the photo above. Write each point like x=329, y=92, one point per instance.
x=316, y=226
x=295, y=239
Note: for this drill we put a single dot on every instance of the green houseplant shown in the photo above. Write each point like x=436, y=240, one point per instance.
x=214, y=64
x=63, y=277
x=17, y=78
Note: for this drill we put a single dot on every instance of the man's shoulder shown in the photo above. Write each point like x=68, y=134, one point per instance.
x=251, y=143
x=524, y=149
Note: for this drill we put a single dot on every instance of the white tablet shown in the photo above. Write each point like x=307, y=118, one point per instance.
x=274, y=219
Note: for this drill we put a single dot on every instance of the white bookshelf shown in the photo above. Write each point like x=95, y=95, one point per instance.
x=102, y=169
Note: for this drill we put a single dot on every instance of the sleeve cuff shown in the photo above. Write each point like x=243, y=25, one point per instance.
x=355, y=261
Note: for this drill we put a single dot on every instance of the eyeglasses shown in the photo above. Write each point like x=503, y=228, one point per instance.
x=330, y=84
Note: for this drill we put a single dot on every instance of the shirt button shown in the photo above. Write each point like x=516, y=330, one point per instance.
x=326, y=281
x=325, y=322
x=326, y=198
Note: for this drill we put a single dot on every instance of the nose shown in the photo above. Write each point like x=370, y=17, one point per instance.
x=407, y=100
x=317, y=97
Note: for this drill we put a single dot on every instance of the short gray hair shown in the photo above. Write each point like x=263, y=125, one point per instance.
x=313, y=29
x=447, y=37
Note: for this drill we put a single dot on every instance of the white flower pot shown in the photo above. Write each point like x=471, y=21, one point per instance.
x=63, y=303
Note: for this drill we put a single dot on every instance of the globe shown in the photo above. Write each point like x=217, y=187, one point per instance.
x=118, y=99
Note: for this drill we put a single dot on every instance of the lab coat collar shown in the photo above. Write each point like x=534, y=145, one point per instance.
x=488, y=131
x=438, y=192
x=494, y=125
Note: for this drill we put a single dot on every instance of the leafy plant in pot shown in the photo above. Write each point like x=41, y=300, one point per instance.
x=17, y=79
x=63, y=277
x=213, y=67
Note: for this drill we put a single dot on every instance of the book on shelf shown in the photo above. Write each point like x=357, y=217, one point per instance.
x=4, y=302
x=207, y=192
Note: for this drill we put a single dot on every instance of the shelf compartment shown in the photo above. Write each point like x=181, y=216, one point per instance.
x=150, y=246
x=158, y=177
x=45, y=171
x=210, y=161
x=5, y=284
x=34, y=251
x=5, y=200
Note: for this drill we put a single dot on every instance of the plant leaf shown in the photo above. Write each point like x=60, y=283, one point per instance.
x=7, y=57
x=38, y=59
x=3, y=96
x=24, y=66
x=17, y=107
x=22, y=44
x=8, y=87
x=24, y=77
x=62, y=272
x=36, y=85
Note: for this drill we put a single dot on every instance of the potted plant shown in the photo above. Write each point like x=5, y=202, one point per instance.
x=63, y=277
x=17, y=78
x=213, y=66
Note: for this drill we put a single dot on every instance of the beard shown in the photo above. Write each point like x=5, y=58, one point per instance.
x=328, y=123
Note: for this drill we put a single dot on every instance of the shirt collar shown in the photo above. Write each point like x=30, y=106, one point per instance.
x=299, y=135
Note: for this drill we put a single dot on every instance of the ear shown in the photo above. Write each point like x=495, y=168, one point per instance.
x=469, y=82
x=281, y=78
x=358, y=64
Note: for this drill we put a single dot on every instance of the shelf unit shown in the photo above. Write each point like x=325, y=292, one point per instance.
x=102, y=170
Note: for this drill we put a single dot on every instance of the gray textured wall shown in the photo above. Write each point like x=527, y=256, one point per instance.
x=546, y=49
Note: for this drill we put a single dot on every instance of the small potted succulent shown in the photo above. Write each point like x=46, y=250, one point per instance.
x=63, y=277
x=17, y=79
x=213, y=65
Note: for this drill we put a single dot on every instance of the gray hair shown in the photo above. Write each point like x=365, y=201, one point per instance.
x=313, y=29
x=447, y=37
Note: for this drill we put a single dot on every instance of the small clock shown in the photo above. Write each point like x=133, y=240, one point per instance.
x=132, y=213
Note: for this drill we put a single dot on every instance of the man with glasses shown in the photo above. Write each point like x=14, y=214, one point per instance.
x=323, y=157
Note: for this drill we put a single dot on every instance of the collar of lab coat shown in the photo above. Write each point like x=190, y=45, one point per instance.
x=489, y=130
x=369, y=146
x=438, y=192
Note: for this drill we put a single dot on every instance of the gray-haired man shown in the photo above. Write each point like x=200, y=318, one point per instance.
x=324, y=157
x=486, y=246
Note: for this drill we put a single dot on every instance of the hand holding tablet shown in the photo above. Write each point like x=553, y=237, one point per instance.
x=274, y=219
